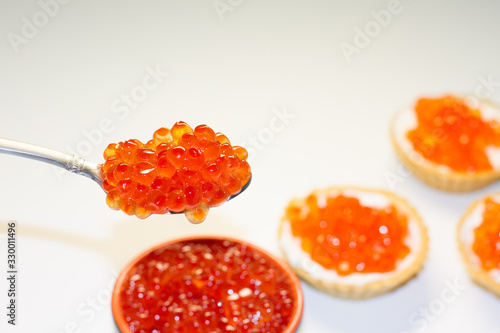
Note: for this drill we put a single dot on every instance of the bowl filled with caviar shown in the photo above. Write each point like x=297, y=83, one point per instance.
x=207, y=284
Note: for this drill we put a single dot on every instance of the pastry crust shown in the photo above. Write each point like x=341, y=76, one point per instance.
x=375, y=288
x=477, y=274
x=431, y=173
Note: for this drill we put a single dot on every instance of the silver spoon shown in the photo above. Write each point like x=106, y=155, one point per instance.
x=71, y=163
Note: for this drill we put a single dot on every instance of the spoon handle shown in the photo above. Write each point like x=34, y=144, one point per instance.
x=72, y=163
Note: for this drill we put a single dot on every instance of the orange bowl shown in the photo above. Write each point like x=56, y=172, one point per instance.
x=131, y=294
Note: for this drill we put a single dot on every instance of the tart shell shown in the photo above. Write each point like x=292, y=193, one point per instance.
x=477, y=274
x=431, y=174
x=375, y=288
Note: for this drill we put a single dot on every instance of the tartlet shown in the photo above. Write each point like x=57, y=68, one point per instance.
x=387, y=241
x=479, y=242
x=455, y=142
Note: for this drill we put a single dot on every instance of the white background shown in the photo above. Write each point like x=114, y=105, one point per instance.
x=234, y=70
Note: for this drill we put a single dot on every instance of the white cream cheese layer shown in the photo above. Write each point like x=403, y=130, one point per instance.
x=466, y=235
x=406, y=120
x=297, y=257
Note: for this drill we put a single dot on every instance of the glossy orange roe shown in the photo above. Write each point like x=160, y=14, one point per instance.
x=451, y=133
x=179, y=170
x=348, y=237
x=207, y=286
x=487, y=237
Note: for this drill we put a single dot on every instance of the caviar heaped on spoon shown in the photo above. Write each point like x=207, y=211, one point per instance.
x=487, y=236
x=451, y=133
x=344, y=235
x=206, y=285
x=178, y=170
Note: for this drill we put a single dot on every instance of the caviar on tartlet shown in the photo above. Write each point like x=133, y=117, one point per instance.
x=449, y=143
x=353, y=243
x=487, y=236
x=479, y=242
x=207, y=285
x=178, y=170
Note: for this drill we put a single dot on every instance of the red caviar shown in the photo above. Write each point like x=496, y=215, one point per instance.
x=451, y=133
x=206, y=285
x=180, y=169
x=348, y=237
x=487, y=236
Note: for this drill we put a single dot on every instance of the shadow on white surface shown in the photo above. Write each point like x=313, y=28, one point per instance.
x=385, y=313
